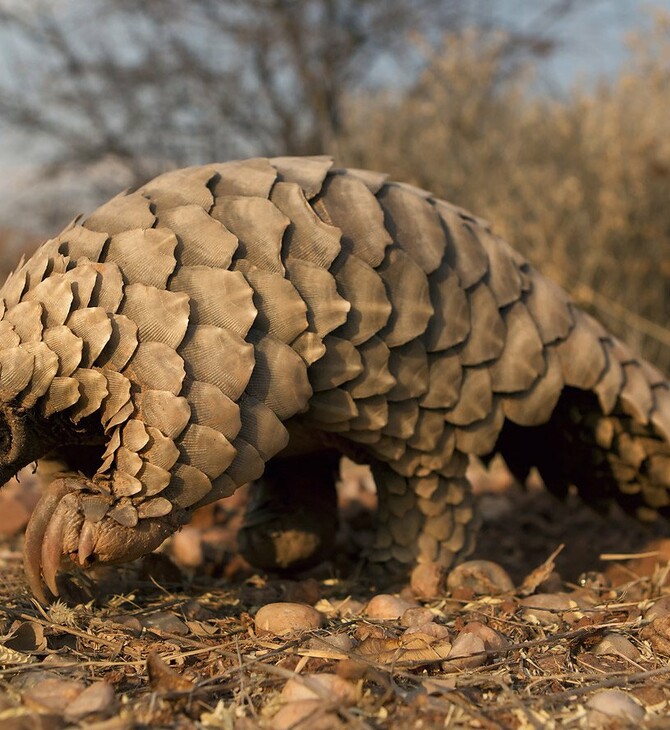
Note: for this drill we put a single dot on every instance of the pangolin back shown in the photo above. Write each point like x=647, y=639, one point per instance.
x=205, y=320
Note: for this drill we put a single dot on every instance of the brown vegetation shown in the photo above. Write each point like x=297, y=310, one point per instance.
x=579, y=184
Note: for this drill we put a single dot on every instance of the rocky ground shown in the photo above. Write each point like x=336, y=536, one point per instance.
x=562, y=619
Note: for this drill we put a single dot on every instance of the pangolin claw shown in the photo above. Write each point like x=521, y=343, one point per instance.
x=42, y=548
x=59, y=527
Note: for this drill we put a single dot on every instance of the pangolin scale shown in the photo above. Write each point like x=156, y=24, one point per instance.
x=254, y=320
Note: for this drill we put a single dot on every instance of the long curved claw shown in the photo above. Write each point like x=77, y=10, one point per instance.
x=58, y=527
x=52, y=547
x=35, y=535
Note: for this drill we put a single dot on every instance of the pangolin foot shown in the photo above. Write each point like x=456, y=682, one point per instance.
x=73, y=519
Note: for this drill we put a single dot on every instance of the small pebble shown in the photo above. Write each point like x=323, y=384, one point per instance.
x=416, y=616
x=167, y=622
x=132, y=623
x=548, y=608
x=97, y=699
x=340, y=642
x=15, y=515
x=618, y=645
x=304, y=714
x=26, y=636
x=466, y=653
x=327, y=685
x=387, y=607
x=616, y=703
x=196, y=611
x=305, y=591
x=287, y=618
x=429, y=629
x=427, y=580
x=493, y=641
x=483, y=577
x=349, y=607
x=53, y=695
x=660, y=609
x=187, y=547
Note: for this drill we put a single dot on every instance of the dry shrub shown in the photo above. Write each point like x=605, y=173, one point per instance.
x=581, y=184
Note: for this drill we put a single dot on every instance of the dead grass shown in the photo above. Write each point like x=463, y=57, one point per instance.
x=580, y=184
x=183, y=651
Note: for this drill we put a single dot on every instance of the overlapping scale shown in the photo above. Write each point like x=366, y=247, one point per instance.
x=163, y=410
x=83, y=278
x=407, y=290
x=307, y=237
x=340, y=364
x=261, y=426
x=121, y=345
x=582, y=355
x=548, y=306
x=218, y=356
x=535, y=406
x=118, y=397
x=375, y=377
x=364, y=288
x=259, y=227
x=279, y=309
x=504, y=278
x=487, y=328
x=187, y=486
x=279, y=377
x=94, y=328
x=45, y=368
x=211, y=407
x=160, y=450
x=122, y=213
x=306, y=172
x=16, y=371
x=146, y=256
x=414, y=224
x=206, y=449
x=160, y=315
x=254, y=177
x=465, y=253
x=108, y=291
x=231, y=308
x=189, y=186
x=450, y=323
x=202, y=240
x=92, y=392
x=55, y=296
x=8, y=336
x=348, y=204
x=522, y=360
x=26, y=319
x=62, y=393
x=408, y=364
x=78, y=242
x=326, y=309
x=156, y=365
x=475, y=399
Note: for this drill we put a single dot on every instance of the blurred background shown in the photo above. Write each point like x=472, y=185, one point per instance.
x=549, y=117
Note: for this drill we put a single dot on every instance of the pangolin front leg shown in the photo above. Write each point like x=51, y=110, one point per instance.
x=72, y=520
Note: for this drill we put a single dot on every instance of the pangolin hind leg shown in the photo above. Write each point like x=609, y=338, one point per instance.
x=426, y=519
x=291, y=520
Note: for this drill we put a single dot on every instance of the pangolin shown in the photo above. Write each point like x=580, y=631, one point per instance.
x=254, y=320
